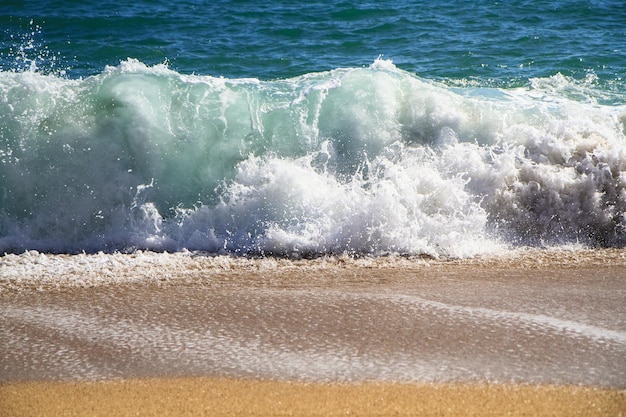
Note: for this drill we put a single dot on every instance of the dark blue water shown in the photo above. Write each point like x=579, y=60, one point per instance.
x=490, y=41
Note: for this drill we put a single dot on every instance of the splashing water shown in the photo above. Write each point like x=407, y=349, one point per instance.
x=358, y=160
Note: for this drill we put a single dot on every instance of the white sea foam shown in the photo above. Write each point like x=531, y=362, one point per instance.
x=358, y=160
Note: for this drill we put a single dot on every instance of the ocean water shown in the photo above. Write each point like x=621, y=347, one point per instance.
x=297, y=129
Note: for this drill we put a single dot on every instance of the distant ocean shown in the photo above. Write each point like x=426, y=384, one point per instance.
x=298, y=129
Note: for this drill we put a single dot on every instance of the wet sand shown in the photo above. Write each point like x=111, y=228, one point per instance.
x=538, y=333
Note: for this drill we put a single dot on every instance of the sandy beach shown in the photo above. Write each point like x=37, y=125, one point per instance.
x=223, y=397
x=535, y=333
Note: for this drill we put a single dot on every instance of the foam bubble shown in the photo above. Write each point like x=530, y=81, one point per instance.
x=355, y=160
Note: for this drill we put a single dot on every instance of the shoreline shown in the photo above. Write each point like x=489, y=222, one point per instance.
x=232, y=397
x=36, y=271
x=536, y=333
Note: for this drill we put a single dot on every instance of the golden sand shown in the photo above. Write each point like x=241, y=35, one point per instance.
x=225, y=397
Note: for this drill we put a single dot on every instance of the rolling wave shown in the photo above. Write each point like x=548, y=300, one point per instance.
x=355, y=160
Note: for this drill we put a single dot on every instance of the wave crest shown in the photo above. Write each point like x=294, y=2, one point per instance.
x=359, y=160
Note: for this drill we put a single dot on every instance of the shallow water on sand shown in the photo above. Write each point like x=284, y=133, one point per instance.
x=530, y=319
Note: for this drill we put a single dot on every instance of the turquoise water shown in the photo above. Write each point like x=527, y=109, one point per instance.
x=444, y=128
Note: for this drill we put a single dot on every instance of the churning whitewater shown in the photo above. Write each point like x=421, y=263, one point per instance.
x=371, y=160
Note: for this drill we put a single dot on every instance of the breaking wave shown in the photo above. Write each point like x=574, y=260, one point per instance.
x=369, y=161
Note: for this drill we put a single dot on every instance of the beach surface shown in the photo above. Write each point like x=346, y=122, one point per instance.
x=223, y=397
x=530, y=333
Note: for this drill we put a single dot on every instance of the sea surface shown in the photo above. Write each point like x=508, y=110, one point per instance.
x=299, y=129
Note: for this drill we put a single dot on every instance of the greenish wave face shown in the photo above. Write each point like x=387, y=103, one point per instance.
x=356, y=160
